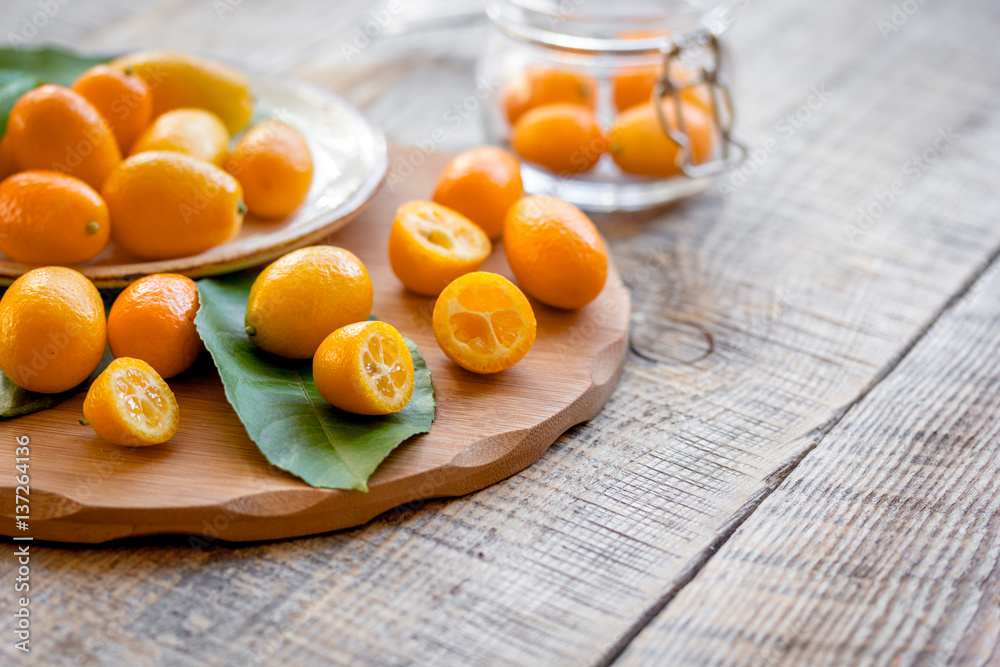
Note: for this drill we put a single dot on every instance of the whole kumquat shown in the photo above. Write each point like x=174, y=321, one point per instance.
x=179, y=80
x=153, y=320
x=555, y=252
x=57, y=129
x=639, y=145
x=54, y=332
x=122, y=99
x=481, y=184
x=539, y=86
x=303, y=297
x=275, y=167
x=165, y=204
x=194, y=132
x=8, y=165
x=50, y=218
x=564, y=138
x=634, y=85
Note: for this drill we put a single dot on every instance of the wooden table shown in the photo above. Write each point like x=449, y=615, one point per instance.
x=799, y=464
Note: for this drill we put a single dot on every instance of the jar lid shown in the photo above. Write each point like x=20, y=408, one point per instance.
x=608, y=26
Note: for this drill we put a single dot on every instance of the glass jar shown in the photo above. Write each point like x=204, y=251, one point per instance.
x=576, y=89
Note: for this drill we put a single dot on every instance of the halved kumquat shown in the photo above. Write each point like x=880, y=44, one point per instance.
x=430, y=245
x=484, y=323
x=365, y=368
x=129, y=404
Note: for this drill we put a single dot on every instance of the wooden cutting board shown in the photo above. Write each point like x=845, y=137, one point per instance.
x=210, y=479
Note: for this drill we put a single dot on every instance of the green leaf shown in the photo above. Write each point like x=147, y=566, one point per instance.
x=17, y=402
x=49, y=64
x=282, y=410
x=12, y=86
x=23, y=69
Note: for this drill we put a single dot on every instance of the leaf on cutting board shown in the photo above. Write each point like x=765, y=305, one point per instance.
x=17, y=402
x=21, y=69
x=283, y=412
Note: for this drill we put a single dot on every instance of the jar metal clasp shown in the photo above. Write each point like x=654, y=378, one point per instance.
x=668, y=87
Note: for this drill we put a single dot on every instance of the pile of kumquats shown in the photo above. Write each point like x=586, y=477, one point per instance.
x=138, y=153
x=552, y=121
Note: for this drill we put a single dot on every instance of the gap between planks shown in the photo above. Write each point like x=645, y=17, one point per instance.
x=776, y=478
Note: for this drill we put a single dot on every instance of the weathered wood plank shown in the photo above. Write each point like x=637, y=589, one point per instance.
x=883, y=546
x=31, y=23
x=565, y=561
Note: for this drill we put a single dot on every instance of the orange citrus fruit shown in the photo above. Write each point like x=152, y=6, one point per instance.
x=303, y=297
x=56, y=129
x=130, y=405
x=166, y=205
x=153, y=320
x=50, y=218
x=430, y=245
x=122, y=99
x=483, y=322
x=564, y=138
x=178, y=80
x=481, y=184
x=195, y=132
x=555, y=252
x=639, y=145
x=8, y=165
x=53, y=330
x=539, y=86
x=275, y=167
x=634, y=85
x=365, y=368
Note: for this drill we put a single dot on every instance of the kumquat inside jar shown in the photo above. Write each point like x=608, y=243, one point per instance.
x=611, y=104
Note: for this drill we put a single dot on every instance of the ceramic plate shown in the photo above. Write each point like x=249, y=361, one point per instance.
x=350, y=162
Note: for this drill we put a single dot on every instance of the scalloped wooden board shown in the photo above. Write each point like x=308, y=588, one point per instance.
x=211, y=480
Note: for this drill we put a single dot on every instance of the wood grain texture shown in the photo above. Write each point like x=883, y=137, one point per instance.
x=211, y=480
x=883, y=546
x=760, y=319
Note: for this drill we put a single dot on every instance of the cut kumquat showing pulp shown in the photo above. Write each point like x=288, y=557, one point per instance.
x=484, y=323
x=430, y=245
x=365, y=368
x=129, y=404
